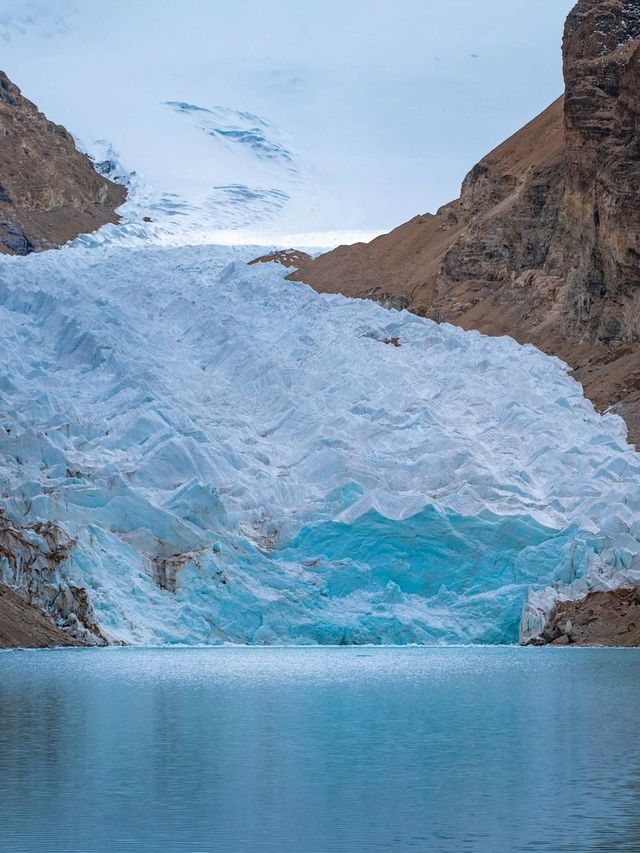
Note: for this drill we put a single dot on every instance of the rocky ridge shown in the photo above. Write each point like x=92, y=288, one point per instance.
x=288, y=258
x=49, y=192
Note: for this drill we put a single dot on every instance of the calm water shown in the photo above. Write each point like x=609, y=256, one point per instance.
x=319, y=750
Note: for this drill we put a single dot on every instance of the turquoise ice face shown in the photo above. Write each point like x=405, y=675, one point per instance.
x=436, y=577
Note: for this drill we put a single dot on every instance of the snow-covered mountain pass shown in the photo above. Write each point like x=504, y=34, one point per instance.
x=198, y=451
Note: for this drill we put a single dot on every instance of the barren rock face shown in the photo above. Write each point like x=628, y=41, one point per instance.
x=49, y=191
x=601, y=203
x=544, y=242
x=507, y=255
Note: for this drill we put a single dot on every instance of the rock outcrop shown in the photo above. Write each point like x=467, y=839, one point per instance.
x=49, y=191
x=602, y=618
x=544, y=242
x=289, y=258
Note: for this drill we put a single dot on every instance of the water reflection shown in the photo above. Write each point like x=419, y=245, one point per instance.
x=319, y=750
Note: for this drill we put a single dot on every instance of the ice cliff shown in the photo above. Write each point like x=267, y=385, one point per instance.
x=197, y=451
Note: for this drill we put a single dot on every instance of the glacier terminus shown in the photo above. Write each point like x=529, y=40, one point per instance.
x=197, y=451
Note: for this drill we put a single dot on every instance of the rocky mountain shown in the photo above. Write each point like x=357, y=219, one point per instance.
x=49, y=191
x=544, y=242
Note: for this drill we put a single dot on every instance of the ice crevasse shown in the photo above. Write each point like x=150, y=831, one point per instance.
x=225, y=456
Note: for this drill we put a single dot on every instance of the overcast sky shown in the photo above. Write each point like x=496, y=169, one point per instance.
x=387, y=102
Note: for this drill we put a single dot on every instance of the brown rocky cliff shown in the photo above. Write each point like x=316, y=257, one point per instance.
x=544, y=242
x=49, y=191
x=601, y=203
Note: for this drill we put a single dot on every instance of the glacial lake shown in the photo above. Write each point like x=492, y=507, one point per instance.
x=298, y=750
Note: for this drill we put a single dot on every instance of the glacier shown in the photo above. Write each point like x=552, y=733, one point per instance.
x=193, y=450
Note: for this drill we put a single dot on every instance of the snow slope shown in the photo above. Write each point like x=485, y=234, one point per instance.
x=242, y=182
x=234, y=457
